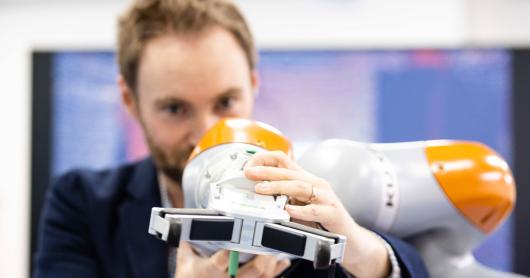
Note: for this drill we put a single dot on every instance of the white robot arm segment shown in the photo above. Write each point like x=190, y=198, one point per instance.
x=445, y=196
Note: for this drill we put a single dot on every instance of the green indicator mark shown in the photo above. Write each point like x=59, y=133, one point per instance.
x=233, y=263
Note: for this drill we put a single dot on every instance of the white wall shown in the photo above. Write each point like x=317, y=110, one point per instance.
x=54, y=24
x=24, y=28
x=499, y=22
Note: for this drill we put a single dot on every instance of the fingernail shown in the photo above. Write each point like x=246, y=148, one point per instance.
x=263, y=186
x=251, y=170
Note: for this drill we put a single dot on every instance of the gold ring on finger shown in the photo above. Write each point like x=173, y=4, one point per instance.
x=312, y=197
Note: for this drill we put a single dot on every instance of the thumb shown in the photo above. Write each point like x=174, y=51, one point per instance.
x=186, y=259
x=185, y=249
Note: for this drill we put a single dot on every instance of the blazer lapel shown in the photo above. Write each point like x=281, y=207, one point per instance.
x=148, y=256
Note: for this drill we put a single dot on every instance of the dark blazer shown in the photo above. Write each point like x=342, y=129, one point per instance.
x=94, y=224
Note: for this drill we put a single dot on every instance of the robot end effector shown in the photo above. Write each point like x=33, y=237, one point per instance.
x=222, y=211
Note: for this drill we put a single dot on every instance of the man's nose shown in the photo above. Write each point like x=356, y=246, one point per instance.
x=201, y=126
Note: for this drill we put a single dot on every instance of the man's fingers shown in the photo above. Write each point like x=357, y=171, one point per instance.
x=220, y=259
x=257, y=267
x=272, y=159
x=270, y=267
x=189, y=262
x=185, y=249
x=187, y=259
x=292, y=188
x=267, y=173
x=313, y=212
x=281, y=266
x=300, y=190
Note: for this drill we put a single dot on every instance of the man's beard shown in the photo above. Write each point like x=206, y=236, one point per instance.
x=170, y=162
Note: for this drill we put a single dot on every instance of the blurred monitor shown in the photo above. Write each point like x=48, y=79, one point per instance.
x=373, y=96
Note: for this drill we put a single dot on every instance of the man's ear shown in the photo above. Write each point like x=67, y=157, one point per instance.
x=255, y=82
x=128, y=98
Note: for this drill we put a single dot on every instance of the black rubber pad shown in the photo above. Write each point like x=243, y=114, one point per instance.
x=214, y=230
x=283, y=241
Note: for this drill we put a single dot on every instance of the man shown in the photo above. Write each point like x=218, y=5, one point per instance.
x=184, y=64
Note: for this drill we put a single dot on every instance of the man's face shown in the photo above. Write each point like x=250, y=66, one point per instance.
x=185, y=84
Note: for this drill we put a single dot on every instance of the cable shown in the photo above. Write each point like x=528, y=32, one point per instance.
x=233, y=263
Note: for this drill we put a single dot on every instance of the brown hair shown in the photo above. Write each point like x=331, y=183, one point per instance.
x=147, y=19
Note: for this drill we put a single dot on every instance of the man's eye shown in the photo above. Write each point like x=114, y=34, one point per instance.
x=225, y=103
x=174, y=109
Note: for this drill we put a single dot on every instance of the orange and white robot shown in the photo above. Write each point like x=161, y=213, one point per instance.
x=444, y=197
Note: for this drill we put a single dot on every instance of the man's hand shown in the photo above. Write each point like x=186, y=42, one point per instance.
x=312, y=199
x=190, y=264
x=263, y=266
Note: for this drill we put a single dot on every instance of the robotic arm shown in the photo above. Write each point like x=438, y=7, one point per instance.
x=445, y=196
